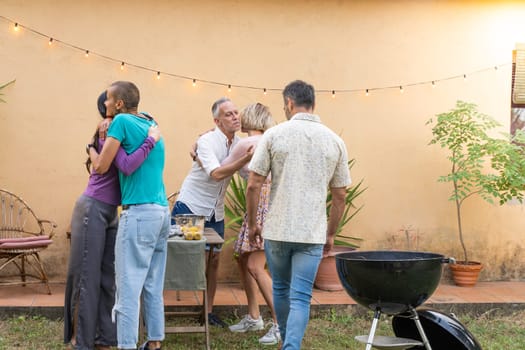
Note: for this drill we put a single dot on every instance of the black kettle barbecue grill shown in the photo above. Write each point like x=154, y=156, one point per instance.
x=396, y=283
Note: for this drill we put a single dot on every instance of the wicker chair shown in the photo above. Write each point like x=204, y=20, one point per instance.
x=172, y=198
x=22, y=237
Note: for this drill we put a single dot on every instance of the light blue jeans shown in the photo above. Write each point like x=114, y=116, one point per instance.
x=293, y=267
x=140, y=264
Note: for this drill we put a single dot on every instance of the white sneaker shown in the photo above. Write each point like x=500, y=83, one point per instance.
x=248, y=324
x=272, y=337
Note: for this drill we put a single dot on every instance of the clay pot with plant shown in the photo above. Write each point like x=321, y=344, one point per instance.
x=492, y=168
x=327, y=277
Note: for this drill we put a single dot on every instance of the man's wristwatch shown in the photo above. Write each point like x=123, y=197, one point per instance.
x=88, y=146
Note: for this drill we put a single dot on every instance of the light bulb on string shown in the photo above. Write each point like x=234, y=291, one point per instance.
x=194, y=82
x=17, y=27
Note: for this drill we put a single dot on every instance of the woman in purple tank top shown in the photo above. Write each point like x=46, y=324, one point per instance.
x=90, y=287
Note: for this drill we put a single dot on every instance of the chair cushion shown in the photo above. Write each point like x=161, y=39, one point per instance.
x=23, y=239
x=26, y=244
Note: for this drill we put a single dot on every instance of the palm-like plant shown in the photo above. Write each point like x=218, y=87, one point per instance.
x=235, y=207
x=352, y=192
x=2, y=87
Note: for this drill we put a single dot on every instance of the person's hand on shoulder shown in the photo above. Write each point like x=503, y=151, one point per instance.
x=103, y=128
x=154, y=131
x=193, y=150
x=249, y=152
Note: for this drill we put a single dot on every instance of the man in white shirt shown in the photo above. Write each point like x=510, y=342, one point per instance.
x=305, y=159
x=203, y=189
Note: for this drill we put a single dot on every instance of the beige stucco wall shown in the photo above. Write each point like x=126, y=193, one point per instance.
x=335, y=45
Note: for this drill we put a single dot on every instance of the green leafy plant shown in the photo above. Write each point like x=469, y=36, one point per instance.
x=235, y=207
x=4, y=86
x=352, y=192
x=493, y=168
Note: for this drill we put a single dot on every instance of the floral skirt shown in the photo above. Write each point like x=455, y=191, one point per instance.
x=242, y=244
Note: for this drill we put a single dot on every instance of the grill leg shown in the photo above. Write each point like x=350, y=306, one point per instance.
x=370, y=340
x=424, y=338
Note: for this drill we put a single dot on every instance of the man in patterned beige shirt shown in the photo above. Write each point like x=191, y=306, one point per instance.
x=305, y=159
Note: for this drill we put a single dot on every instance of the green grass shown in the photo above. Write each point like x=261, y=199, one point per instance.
x=327, y=331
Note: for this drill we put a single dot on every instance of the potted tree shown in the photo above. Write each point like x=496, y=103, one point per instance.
x=493, y=168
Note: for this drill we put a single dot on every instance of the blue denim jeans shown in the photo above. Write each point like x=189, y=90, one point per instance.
x=293, y=267
x=140, y=264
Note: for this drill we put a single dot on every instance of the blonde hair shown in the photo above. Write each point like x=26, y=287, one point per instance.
x=256, y=117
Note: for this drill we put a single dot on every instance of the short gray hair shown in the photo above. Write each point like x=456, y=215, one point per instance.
x=216, y=105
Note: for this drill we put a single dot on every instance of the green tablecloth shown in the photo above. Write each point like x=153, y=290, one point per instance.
x=185, y=265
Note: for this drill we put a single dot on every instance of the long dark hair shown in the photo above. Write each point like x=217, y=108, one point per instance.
x=95, y=140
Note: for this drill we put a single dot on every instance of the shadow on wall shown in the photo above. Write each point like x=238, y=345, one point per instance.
x=505, y=262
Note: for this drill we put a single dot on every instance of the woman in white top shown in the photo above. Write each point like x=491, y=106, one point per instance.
x=255, y=120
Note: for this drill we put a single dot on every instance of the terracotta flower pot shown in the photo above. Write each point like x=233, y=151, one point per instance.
x=466, y=274
x=327, y=277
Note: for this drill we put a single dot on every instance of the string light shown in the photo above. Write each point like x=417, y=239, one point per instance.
x=18, y=26
x=194, y=82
